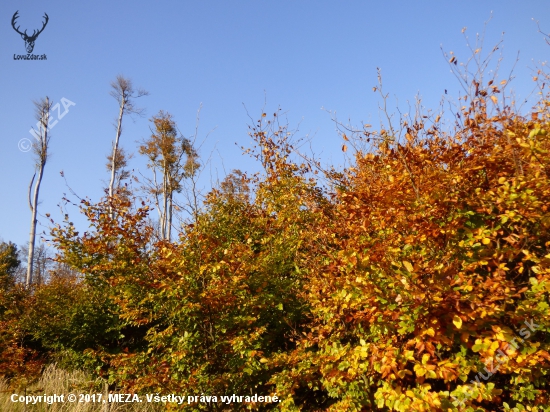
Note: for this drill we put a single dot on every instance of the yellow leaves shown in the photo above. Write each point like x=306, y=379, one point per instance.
x=420, y=370
x=503, y=335
x=403, y=241
x=409, y=355
x=425, y=370
x=430, y=374
x=494, y=346
x=408, y=266
x=457, y=321
x=537, y=131
x=425, y=359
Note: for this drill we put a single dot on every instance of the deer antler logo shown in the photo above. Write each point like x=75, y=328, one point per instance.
x=29, y=40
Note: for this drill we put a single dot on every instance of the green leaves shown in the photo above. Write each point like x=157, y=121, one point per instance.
x=394, y=291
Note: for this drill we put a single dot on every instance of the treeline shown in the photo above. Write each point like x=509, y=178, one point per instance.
x=417, y=278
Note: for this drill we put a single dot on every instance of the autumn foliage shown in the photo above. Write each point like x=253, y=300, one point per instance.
x=387, y=285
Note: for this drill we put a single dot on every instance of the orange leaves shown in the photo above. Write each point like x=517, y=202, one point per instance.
x=400, y=279
x=434, y=271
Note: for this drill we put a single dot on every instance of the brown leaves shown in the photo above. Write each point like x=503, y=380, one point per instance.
x=425, y=268
x=424, y=251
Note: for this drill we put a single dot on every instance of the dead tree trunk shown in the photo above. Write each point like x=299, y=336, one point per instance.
x=40, y=148
x=115, y=145
x=124, y=93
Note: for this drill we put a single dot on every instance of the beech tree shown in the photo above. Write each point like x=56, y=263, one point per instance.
x=418, y=280
x=40, y=148
x=379, y=295
x=171, y=159
x=124, y=93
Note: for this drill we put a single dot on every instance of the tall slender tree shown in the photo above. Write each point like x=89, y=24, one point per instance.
x=40, y=149
x=124, y=93
x=171, y=159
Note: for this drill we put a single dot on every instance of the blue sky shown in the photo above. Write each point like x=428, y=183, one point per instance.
x=298, y=55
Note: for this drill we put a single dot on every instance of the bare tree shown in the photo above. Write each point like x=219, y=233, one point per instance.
x=124, y=93
x=171, y=159
x=40, y=148
x=42, y=262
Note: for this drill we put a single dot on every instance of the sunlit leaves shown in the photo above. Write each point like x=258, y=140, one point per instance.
x=391, y=290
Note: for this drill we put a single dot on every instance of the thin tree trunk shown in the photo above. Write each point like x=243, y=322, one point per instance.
x=30, y=257
x=106, y=405
x=165, y=207
x=115, y=147
x=157, y=200
x=169, y=234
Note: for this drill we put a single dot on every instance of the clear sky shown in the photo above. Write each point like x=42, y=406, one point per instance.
x=299, y=55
